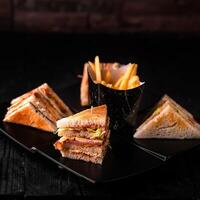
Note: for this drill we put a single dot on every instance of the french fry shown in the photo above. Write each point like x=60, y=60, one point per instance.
x=133, y=82
x=126, y=77
x=103, y=75
x=103, y=82
x=106, y=84
x=115, y=66
x=97, y=69
x=108, y=76
x=109, y=85
x=134, y=85
x=134, y=71
x=117, y=84
x=107, y=65
x=133, y=79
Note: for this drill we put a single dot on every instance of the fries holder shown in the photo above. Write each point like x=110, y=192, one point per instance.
x=122, y=105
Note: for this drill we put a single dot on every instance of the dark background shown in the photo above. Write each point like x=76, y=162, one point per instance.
x=48, y=41
x=100, y=15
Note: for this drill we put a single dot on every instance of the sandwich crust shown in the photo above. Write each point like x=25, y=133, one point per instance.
x=49, y=95
x=94, y=154
x=85, y=135
x=93, y=118
x=169, y=123
x=45, y=102
x=81, y=156
x=55, y=100
x=28, y=115
x=183, y=110
x=19, y=99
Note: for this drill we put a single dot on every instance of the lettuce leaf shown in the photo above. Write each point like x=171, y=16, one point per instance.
x=95, y=134
x=62, y=129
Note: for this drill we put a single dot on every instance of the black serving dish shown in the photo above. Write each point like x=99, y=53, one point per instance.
x=122, y=160
x=122, y=105
x=126, y=158
x=165, y=149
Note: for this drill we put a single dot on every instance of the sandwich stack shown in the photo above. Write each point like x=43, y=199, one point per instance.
x=39, y=108
x=169, y=120
x=85, y=135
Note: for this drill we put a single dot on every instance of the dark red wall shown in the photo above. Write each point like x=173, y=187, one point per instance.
x=100, y=15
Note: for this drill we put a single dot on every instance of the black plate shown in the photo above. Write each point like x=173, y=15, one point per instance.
x=165, y=149
x=122, y=161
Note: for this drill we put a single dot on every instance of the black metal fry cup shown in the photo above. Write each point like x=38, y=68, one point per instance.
x=122, y=105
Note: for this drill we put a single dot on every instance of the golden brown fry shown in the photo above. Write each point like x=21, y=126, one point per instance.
x=126, y=77
x=106, y=84
x=133, y=79
x=108, y=76
x=103, y=75
x=110, y=85
x=134, y=71
x=133, y=82
x=115, y=65
x=134, y=85
x=98, y=69
x=103, y=82
x=117, y=84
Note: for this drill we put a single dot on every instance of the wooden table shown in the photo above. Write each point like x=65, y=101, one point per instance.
x=168, y=64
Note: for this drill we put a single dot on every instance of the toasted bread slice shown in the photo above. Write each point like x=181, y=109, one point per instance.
x=15, y=106
x=40, y=102
x=21, y=98
x=47, y=104
x=94, y=154
x=92, y=150
x=170, y=122
x=81, y=156
x=29, y=115
x=183, y=110
x=49, y=95
x=55, y=100
x=94, y=117
x=159, y=106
